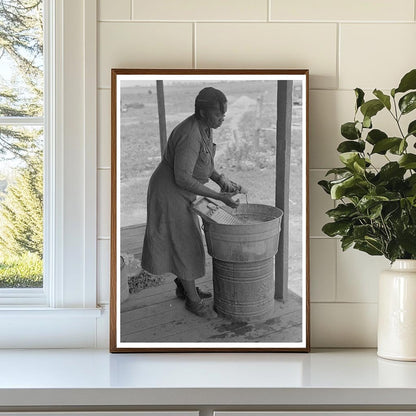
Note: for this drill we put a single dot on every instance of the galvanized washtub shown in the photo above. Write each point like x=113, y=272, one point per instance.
x=242, y=249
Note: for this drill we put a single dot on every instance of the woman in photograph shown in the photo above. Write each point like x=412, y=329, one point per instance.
x=173, y=240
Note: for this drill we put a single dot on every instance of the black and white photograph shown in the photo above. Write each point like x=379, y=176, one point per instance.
x=209, y=212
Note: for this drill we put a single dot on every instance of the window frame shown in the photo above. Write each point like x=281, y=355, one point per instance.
x=38, y=296
x=71, y=210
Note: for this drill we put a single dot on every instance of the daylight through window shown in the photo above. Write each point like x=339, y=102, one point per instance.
x=21, y=143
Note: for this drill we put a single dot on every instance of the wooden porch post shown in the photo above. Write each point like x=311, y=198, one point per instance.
x=162, y=115
x=283, y=145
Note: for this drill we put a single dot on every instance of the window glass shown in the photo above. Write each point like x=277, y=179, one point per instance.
x=21, y=143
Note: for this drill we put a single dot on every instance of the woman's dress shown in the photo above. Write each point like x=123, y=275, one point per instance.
x=173, y=239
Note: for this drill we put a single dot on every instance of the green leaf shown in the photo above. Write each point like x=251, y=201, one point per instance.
x=403, y=205
x=413, y=211
x=338, y=190
x=375, y=135
x=411, y=185
x=361, y=231
x=393, y=196
x=391, y=170
x=359, y=95
x=411, y=130
x=374, y=242
x=369, y=201
x=375, y=211
x=346, y=242
x=394, y=251
x=325, y=186
x=355, y=199
x=411, y=180
x=399, y=148
x=379, y=189
x=391, y=212
x=333, y=229
x=342, y=211
x=408, y=161
x=340, y=180
x=408, y=82
x=367, y=122
x=349, y=146
x=385, y=99
x=412, y=202
x=359, y=165
x=348, y=158
x=402, y=147
x=383, y=145
x=338, y=171
x=407, y=240
x=371, y=108
x=353, y=188
x=408, y=102
x=349, y=131
x=368, y=248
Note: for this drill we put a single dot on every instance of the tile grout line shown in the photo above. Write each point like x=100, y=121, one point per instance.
x=269, y=11
x=338, y=242
x=254, y=21
x=131, y=9
x=338, y=63
x=336, y=271
x=344, y=302
x=319, y=169
x=323, y=237
x=194, y=61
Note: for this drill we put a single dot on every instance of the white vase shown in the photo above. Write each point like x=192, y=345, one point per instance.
x=397, y=312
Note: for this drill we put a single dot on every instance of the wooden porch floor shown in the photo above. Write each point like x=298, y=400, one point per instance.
x=155, y=314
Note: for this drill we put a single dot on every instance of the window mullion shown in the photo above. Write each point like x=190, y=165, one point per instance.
x=22, y=121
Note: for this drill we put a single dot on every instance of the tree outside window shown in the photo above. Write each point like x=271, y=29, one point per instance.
x=21, y=143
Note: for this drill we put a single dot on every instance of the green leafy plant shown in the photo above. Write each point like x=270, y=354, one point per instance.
x=376, y=209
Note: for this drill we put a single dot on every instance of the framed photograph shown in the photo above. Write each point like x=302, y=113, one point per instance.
x=209, y=211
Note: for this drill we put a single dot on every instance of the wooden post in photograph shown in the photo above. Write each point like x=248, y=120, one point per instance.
x=283, y=145
x=258, y=122
x=162, y=115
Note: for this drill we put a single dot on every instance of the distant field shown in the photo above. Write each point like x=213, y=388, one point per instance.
x=25, y=271
x=245, y=146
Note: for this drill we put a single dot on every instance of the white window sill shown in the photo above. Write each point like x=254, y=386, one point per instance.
x=22, y=298
x=36, y=312
x=331, y=379
x=40, y=327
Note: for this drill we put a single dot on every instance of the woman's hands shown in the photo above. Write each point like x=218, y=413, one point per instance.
x=228, y=190
x=229, y=186
x=226, y=185
x=226, y=197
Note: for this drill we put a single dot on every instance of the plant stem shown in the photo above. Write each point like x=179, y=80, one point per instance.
x=400, y=128
x=376, y=248
x=397, y=118
x=386, y=230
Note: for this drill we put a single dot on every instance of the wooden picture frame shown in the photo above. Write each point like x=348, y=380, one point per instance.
x=264, y=136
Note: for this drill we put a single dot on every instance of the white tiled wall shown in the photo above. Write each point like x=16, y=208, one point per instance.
x=345, y=44
x=270, y=45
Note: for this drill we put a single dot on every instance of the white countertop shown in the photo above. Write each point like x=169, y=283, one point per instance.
x=96, y=377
